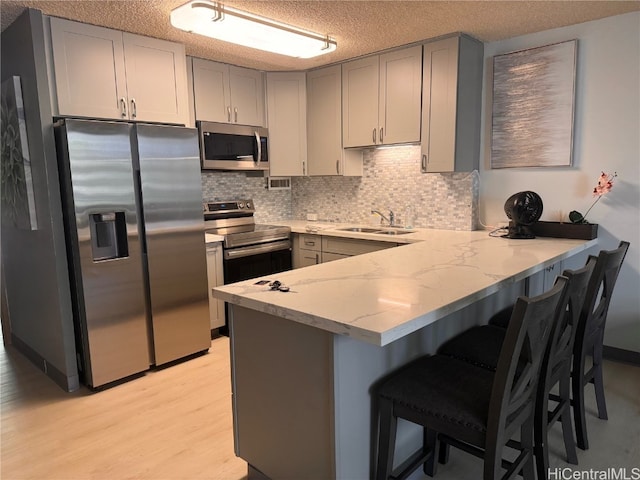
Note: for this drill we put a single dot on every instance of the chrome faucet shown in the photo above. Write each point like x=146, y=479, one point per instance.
x=391, y=220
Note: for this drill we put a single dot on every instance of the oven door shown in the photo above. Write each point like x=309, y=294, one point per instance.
x=254, y=261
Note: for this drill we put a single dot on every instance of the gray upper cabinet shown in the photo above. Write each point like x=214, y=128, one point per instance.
x=287, y=114
x=228, y=94
x=325, y=155
x=381, y=98
x=451, y=105
x=104, y=73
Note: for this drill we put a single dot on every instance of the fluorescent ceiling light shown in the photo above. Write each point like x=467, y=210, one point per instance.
x=215, y=20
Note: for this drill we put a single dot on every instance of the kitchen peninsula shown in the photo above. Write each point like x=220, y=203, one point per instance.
x=304, y=361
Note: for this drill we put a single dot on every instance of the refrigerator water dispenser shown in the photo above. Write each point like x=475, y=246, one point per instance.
x=108, y=236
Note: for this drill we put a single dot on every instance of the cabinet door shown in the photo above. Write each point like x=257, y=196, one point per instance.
x=247, y=96
x=287, y=115
x=330, y=257
x=324, y=121
x=360, y=80
x=89, y=69
x=440, y=76
x=307, y=258
x=211, y=93
x=156, y=80
x=215, y=278
x=451, y=105
x=400, y=96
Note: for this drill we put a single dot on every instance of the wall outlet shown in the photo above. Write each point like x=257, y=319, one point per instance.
x=312, y=217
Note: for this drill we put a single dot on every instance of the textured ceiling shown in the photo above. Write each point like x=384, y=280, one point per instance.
x=360, y=27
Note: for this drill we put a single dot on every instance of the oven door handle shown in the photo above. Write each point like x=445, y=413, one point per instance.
x=256, y=249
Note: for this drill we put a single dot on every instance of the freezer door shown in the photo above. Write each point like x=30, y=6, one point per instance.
x=103, y=244
x=171, y=190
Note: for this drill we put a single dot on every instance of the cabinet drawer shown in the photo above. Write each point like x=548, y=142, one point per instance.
x=311, y=242
x=350, y=246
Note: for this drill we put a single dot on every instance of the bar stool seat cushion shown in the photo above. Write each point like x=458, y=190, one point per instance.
x=444, y=388
x=478, y=345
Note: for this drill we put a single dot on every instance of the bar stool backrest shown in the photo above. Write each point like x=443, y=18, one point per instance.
x=605, y=275
x=523, y=349
x=564, y=332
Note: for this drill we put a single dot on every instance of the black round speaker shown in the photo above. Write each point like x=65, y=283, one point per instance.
x=523, y=209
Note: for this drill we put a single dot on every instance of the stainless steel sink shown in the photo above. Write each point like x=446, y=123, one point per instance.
x=360, y=229
x=377, y=231
x=393, y=232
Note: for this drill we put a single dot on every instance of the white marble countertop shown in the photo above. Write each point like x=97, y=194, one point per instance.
x=382, y=296
x=212, y=238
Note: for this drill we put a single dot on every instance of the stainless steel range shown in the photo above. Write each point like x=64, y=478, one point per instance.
x=249, y=250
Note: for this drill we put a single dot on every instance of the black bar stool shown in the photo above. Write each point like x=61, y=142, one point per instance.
x=481, y=346
x=471, y=407
x=590, y=336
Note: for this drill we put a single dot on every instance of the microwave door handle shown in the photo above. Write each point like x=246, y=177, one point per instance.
x=259, y=145
x=244, y=156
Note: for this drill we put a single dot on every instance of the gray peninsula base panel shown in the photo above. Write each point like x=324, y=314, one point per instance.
x=302, y=397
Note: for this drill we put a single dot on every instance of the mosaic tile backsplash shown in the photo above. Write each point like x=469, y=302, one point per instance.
x=391, y=181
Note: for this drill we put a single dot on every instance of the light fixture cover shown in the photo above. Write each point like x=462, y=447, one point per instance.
x=215, y=20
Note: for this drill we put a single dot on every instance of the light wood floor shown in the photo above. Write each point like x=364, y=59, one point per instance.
x=170, y=424
x=175, y=424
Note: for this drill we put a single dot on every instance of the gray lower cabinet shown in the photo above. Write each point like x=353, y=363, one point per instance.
x=307, y=250
x=311, y=249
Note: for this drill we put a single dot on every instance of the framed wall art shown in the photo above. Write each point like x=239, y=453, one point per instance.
x=18, y=196
x=533, y=107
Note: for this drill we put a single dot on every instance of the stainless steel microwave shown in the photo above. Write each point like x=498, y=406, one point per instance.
x=229, y=146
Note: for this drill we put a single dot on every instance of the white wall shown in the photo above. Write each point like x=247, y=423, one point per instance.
x=606, y=137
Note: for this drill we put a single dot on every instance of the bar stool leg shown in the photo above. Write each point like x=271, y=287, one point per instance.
x=565, y=419
x=386, y=440
x=598, y=381
x=577, y=387
x=541, y=428
x=527, y=433
x=432, y=444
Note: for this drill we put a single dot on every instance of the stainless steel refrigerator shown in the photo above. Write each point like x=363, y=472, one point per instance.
x=132, y=207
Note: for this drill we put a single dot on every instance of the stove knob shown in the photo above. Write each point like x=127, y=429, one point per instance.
x=248, y=204
x=240, y=204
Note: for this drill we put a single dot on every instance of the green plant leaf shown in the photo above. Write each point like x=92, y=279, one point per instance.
x=576, y=217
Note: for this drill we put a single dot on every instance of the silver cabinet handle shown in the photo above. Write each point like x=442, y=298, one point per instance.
x=338, y=167
x=424, y=164
x=235, y=112
x=374, y=135
x=304, y=168
x=229, y=114
x=123, y=107
x=134, y=108
x=310, y=243
x=381, y=129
